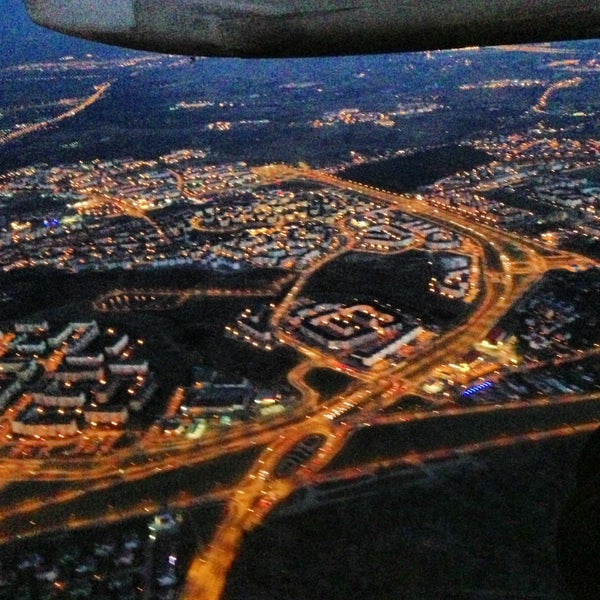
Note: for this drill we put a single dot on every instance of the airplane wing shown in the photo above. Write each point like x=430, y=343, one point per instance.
x=289, y=28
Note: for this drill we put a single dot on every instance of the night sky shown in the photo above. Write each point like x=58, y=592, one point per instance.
x=23, y=41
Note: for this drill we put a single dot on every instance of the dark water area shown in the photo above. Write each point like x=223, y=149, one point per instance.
x=407, y=173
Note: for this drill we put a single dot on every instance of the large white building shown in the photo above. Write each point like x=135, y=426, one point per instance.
x=369, y=357
x=350, y=328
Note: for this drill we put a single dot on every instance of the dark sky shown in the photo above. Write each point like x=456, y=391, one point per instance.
x=23, y=41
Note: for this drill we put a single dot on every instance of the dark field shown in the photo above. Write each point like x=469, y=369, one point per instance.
x=192, y=334
x=163, y=488
x=17, y=492
x=389, y=441
x=477, y=531
x=327, y=382
x=410, y=402
x=33, y=291
x=175, y=340
x=405, y=174
x=400, y=280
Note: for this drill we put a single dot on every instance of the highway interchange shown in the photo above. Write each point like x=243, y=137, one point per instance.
x=86, y=483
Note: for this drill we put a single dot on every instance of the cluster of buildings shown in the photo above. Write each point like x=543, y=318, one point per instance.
x=547, y=346
x=133, y=563
x=227, y=125
x=92, y=243
x=108, y=566
x=547, y=380
x=535, y=164
x=385, y=238
x=534, y=158
x=496, y=84
x=458, y=194
x=290, y=247
x=354, y=116
x=546, y=323
x=408, y=109
x=455, y=276
x=576, y=65
x=227, y=398
x=68, y=64
x=434, y=237
x=142, y=185
x=382, y=230
x=193, y=105
x=451, y=194
x=200, y=179
x=276, y=206
x=492, y=371
x=99, y=219
x=362, y=332
x=130, y=214
x=479, y=364
x=442, y=239
x=139, y=184
x=570, y=193
x=393, y=230
x=253, y=326
x=289, y=226
x=60, y=380
x=538, y=150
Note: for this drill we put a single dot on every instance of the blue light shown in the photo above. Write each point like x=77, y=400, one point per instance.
x=477, y=388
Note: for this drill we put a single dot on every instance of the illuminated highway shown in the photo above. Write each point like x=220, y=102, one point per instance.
x=100, y=90
x=542, y=103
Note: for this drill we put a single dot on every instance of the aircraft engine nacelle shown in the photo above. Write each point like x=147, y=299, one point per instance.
x=287, y=28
